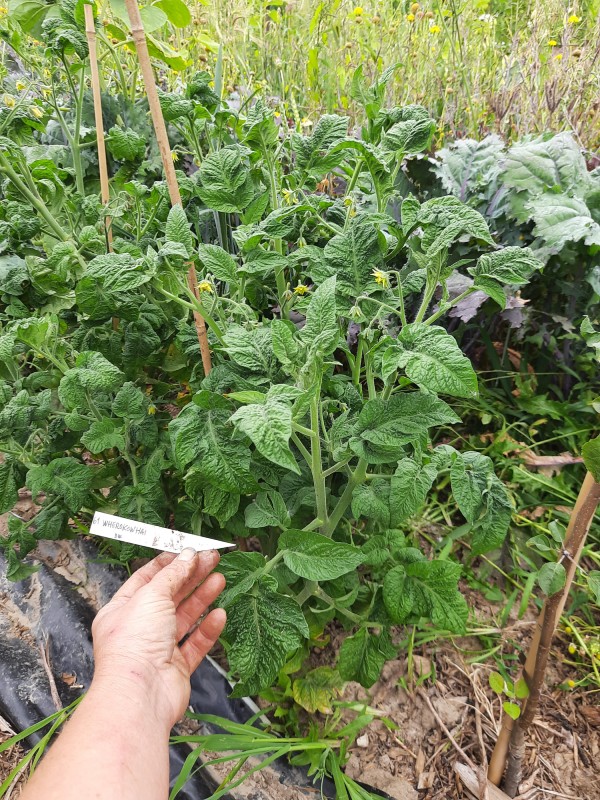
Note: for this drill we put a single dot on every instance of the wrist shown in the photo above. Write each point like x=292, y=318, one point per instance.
x=131, y=692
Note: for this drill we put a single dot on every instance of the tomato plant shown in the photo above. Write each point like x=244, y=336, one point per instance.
x=320, y=429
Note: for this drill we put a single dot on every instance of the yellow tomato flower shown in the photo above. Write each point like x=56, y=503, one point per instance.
x=552, y=43
x=3, y=11
x=381, y=277
x=175, y=156
x=37, y=112
x=568, y=629
x=19, y=85
x=410, y=17
x=572, y=649
x=9, y=100
x=434, y=29
x=205, y=286
x=301, y=289
x=152, y=410
x=570, y=683
x=574, y=19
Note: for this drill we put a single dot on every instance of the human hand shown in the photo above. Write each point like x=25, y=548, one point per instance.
x=136, y=634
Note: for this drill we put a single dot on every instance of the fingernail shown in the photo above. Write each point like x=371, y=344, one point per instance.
x=187, y=554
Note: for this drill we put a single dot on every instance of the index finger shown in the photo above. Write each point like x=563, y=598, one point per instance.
x=143, y=576
x=182, y=575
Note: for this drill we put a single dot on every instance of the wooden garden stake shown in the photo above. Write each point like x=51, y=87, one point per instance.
x=90, y=32
x=141, y=46
x=511, y=740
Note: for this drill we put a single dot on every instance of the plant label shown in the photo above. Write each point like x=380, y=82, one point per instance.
x=142, y=533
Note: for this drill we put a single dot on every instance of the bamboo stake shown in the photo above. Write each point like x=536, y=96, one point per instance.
x=141, y=46
x=512, y=734
x=90, y=32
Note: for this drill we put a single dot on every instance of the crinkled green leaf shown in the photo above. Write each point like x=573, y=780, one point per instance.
x=250, y=348
x=218, y=262
x=225, y=183
x=426, y=589
x=317, y=690
x=102, y=435
x=446, y=219
x=263, y=628
x=432, y=359
x=125, y=144
x=64, y=477
x=385, y=426
x=352, y=256
x=269, y=426
x=316, y=557
x=363, y=655
x=177, y=229
x=268, y=509
x=321, y=332
x=408, y=489
x=8, y=487
x=560, y=218
x=512, y=265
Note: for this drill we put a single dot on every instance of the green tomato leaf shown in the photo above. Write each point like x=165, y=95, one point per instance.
x=317, y=557
x=269, y=426
x=102, y=435
x=426, y=589
x=321, y=331
x=512, y=265
x=385, y=426
x=268, y=509
x=252, y=349
x=64, y=477
x=408, y=489
x=241, y=571
x=446, y=219
x=593, y=578
x=353, y=255
x=125, y=144
x=432, y=359
x=225, y=183
x=263, y=628
x=177, y=230
x=8, y=487
x=285, y=345
x=363, y=655
x=218, y=262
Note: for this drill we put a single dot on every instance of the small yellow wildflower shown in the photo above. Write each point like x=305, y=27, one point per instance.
x=574, y=19
x=570, y=683
x=381, y=277
x=175, y=156
x=9, y=100
x=152, y=410
x=301, y=289
x=414, y=8
x=205, y=286
x=19, y=85
x=552, y=43
x=410, y=17
x=358, y=11
x=434, y=29
x=572, y=649
x=37, y=112
x=3, y=11
x=558, y=57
